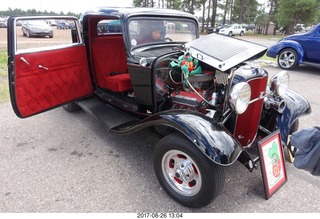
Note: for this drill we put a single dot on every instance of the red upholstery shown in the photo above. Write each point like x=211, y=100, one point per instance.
x=108, y=56
x=67, y=78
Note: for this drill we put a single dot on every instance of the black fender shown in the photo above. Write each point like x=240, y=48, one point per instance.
x=296, y=106
x=213, y=139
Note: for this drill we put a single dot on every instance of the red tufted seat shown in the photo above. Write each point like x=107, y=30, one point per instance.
x=110, y=63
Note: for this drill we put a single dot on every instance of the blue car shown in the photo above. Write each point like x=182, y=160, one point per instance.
x=297, y=49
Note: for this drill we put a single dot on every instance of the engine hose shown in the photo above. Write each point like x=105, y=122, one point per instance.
x=194, y=90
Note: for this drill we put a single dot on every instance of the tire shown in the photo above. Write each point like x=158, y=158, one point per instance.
x=241, y=33
x=71, y=107
x=185, y=173
x=287, y=59
x=28, y=34
x=230, y=34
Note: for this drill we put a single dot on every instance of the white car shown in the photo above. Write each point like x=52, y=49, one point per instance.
x=233, y=29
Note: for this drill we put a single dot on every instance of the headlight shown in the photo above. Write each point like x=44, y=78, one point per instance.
x=279, y=83
x=240, y=97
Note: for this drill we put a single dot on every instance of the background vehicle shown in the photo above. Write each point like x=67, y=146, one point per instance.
x=300, y=28
x=62, y=25
x=249, y=27
x=293, y=50
x=231, y=30
x=3, y=23
x=31, y=28
x=209, y=105
x=217, y=29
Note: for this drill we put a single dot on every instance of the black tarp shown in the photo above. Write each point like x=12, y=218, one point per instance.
x=307, y=156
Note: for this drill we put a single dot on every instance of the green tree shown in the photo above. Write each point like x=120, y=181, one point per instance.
x=244, y=11
x=214, y=8
x=292, y=12
x=144, y=3
x=203, y=5
x=190, y=5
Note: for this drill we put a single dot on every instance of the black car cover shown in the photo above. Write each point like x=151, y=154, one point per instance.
x=307, y=142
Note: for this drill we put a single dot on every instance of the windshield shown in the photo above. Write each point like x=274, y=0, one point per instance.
x=146, y=31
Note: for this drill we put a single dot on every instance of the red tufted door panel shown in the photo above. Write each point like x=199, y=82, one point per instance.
x=47, y=79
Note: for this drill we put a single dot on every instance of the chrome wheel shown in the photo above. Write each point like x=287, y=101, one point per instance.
x=181, y=173
x=288, y=59
x=185, y=173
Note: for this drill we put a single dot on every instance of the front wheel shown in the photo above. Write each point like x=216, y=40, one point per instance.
x=185, y=173
x=288, y=59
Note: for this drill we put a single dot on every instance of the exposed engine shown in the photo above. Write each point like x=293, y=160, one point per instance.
x=197, y=92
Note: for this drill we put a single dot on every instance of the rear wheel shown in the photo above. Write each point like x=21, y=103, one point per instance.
x=241, y=33
x=185, y=173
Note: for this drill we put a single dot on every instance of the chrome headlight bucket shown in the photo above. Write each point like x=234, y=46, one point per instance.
x=239, y=97
x=279, y=83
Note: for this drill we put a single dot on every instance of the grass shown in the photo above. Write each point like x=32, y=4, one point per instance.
x=4, y=88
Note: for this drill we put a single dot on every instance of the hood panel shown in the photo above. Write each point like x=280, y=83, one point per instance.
x=224, y=52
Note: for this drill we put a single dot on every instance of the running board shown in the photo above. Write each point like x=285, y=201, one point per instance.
x=108, y=115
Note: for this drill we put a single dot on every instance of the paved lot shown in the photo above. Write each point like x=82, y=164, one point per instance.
x=67, y=162
x=64, y=162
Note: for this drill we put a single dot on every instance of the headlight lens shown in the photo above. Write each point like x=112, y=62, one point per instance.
x=279, y=83
x=240, y=97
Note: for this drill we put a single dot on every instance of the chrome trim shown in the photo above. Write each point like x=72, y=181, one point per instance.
x=264, y=129
x=24, y=60
x=42, y=67
x=262, y=95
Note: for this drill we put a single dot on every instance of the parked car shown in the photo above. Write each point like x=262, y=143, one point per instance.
x=293, y=50
x=62, y=25
x=233, y=29
x=202, y=95
x=249, y=27
x=3, y=23
x=299, y=28
x=217, y=29
x=31, y=28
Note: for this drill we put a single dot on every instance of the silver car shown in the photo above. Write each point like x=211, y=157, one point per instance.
x=39, y=28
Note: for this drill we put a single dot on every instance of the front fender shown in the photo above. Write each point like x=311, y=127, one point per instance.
x=296, y=106
x=274, y=50
x=209, y=136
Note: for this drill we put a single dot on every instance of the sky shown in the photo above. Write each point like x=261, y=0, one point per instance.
x=75, y=6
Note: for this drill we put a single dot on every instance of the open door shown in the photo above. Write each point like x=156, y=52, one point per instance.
x=47, y=66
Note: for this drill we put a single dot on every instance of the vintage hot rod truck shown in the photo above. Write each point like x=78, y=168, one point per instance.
x=137, y=68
